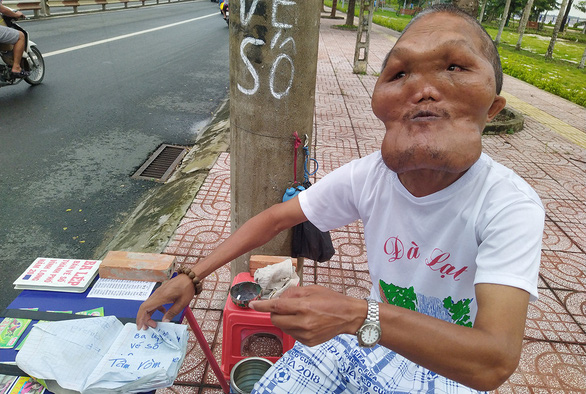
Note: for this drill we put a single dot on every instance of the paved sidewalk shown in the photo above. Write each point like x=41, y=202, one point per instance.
x=550, y=153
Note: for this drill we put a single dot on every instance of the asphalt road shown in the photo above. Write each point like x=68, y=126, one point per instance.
x=118, y=85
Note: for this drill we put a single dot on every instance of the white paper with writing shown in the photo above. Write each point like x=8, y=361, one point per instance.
x=99, y=355
x=121, y=289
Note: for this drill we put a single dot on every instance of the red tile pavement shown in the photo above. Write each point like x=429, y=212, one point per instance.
x=554, y=352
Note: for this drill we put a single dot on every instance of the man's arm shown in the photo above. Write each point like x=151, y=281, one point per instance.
x=481, y=357
x=254, y=233
x=8, y=12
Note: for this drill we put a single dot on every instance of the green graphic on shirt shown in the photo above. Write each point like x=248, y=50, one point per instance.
x=446, y=309
x=399, y=296
x=460, y=311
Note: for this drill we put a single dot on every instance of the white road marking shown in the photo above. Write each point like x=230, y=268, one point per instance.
x=91, y=44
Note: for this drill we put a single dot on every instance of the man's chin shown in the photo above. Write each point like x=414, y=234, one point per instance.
x=402, y=162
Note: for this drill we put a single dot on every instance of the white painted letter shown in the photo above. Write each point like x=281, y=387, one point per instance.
x=273, y=71
x=275, y=8
x=245, y=19
x=243, y=44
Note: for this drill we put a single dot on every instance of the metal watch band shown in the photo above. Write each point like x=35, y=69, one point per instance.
x=372, y=311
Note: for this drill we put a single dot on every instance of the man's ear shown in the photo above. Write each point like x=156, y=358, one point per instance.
x=497, y=105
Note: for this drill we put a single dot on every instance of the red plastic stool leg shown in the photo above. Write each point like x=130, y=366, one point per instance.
x=206, y=349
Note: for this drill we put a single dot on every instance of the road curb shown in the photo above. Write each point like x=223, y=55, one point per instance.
x=151, y=225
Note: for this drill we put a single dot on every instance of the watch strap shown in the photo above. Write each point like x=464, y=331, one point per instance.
x=373, y=314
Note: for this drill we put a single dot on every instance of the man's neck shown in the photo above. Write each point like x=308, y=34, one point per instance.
x=421, y=183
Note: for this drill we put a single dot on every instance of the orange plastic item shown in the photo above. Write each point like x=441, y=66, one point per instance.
x=240, y=324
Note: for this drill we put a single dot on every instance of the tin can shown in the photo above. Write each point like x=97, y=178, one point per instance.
x=246, y=373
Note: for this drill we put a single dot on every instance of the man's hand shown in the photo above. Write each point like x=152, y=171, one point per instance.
x=179, y=291
x=314, y=314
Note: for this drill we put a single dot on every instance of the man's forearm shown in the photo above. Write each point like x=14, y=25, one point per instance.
x=8, y=12
x=480, y=357
x=256, y=232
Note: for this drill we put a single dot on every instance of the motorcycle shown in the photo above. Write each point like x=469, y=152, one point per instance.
x=32, y=59
x=227, y=10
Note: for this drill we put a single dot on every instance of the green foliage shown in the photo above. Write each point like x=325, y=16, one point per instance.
x=396, y=23
x=399, y=296
x=460, y=311
x=558, y=77
x=564, y=49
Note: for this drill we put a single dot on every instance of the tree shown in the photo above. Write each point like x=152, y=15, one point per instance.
x=523, y=23
x=566, y=14
x=481, y=16
x=581, y=6
x=468, y=6
x=334, y=7
x=350, y=12
x=556, y=29
x=583, y=61
x=503, y=21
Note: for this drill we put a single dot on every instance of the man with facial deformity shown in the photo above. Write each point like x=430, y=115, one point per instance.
x=453, y=238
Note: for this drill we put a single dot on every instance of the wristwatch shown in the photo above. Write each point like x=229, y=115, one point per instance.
x=369, y=333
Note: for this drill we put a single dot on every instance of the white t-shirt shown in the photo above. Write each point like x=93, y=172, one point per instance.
x=427, y=253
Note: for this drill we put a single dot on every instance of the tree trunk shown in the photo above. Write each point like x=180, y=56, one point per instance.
x=556, y=29
x=468, y=6
x=350, y=12
x=323, y=8
x=566, y=14
x=334, y=7
x=503, y=21
x=581, y=65
x=523, y=24
x=481, y=16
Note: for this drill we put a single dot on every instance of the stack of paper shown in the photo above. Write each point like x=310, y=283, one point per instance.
x=58, y=275
x=99, y=355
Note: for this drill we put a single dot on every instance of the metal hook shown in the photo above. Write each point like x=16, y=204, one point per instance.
x=306, y=142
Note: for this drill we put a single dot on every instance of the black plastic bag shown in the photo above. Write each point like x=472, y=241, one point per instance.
x=309, y=242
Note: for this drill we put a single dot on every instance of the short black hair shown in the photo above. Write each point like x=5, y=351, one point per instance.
x=489, y=49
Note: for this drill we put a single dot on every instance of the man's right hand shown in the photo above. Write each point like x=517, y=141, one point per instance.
x=179, y=291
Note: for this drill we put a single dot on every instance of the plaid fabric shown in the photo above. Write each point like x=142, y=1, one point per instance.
x=341, y=366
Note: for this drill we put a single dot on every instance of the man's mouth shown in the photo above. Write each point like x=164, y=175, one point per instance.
x=426, y=115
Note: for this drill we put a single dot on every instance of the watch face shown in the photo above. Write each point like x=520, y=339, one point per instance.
x=370, y=334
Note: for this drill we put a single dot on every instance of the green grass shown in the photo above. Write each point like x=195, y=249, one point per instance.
x=559, y=76
x=563, y=50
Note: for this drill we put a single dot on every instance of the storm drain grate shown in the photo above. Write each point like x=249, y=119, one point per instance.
x=161, y=164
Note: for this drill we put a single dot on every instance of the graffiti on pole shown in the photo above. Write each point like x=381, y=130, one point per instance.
x=279, y=44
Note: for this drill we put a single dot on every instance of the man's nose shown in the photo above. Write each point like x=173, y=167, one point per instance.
x=425, y=88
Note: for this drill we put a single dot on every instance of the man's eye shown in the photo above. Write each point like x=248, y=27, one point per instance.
x=398, y=75
x=454, y=67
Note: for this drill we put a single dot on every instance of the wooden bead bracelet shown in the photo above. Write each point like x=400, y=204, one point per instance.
x=196, y=282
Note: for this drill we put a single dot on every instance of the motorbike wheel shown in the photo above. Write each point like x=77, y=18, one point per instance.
x=38, y=68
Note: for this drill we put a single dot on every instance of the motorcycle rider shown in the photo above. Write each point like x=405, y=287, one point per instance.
x=15, y=38
x=223, y=6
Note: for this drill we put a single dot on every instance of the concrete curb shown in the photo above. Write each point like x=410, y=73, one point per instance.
x=151, y=225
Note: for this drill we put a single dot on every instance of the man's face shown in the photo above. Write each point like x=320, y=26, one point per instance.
x=435, y=96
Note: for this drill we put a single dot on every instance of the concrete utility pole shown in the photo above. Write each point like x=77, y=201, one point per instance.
x=273, y=65
x=363, y=36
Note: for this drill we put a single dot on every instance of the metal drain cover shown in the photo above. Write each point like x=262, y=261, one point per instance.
x=161, y=164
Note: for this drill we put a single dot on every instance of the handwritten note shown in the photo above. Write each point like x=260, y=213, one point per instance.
x=97, y=354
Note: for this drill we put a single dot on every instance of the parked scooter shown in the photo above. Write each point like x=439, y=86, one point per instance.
x=32, y=60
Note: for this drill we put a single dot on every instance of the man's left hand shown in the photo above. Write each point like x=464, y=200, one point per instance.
x=314, y=314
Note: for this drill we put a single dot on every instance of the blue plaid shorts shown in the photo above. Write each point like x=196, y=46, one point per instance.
x=341, y=366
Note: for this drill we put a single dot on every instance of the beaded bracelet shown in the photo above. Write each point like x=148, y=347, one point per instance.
x=196, y=282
